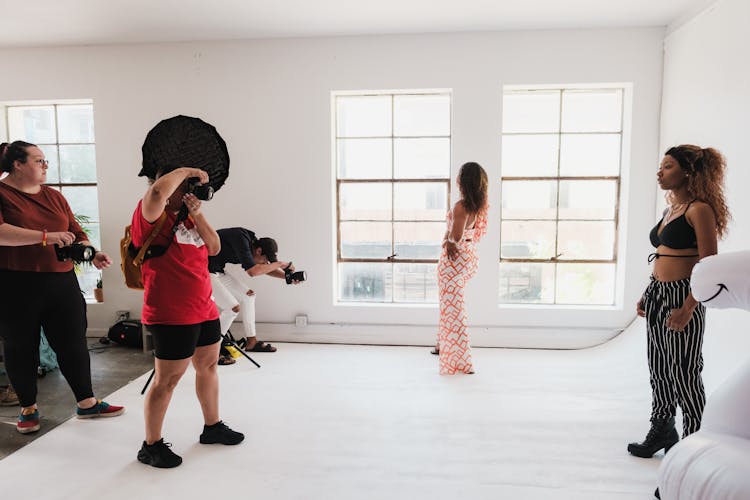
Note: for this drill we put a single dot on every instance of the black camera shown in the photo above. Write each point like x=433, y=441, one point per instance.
x=201, y=191
x=75, y=252
x=292, y=276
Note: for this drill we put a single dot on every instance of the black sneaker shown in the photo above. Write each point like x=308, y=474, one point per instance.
x=220, y=433
x=159, y=455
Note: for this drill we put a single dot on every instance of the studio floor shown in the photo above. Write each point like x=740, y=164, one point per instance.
x=366, y=422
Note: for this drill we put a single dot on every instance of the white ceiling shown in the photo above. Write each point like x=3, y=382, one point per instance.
x=94, y=22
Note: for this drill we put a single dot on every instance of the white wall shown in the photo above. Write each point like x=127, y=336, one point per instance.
x=271, y=102
x=707, y=102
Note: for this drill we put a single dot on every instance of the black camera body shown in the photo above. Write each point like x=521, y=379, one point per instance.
x=292, y=276
x=75, y=252
x=201, y=191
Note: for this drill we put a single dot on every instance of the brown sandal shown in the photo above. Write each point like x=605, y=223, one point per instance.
x=261, y=346
x=226, y=359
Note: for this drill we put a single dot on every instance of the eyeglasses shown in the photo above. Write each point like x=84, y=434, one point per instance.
x=42, y=162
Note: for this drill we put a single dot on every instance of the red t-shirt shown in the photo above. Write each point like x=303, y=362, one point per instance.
x=177, y=286
x=46, y=209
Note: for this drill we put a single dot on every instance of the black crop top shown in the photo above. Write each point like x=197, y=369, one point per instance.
x=677, y=234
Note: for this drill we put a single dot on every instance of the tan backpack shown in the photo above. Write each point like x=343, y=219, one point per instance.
x=133, y=258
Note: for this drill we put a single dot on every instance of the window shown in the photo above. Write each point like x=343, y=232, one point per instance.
x=65, y=132
x=561, y=157
x=392, y=161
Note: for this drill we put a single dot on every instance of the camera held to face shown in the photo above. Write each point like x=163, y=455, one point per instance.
x=292, y=276
x=201, y=191
x=75, y=252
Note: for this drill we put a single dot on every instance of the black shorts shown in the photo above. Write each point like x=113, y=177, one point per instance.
x=175, y=342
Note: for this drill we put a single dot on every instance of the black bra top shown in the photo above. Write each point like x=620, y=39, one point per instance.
x=677, y=234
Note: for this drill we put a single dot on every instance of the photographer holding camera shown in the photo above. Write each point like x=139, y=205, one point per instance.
x=177, y=306
x=231, y=291
x=44, y=291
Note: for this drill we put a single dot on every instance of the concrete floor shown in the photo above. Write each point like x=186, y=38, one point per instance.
x=112, y=367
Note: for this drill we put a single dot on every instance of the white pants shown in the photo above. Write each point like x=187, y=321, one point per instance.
x=230, y=290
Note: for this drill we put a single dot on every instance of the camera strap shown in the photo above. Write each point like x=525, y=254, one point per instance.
x=147, y=251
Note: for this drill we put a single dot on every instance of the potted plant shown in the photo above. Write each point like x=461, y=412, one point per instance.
x=98, y=291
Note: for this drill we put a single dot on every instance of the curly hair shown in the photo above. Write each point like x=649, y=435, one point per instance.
x=473, y=183
x=705, y=168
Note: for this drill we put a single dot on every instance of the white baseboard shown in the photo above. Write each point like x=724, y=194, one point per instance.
x=340, y=333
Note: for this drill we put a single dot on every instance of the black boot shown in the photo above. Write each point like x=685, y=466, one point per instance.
x=662, y=435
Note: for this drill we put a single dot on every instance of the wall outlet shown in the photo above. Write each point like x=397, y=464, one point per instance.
x=122, y=315
x=300, y=320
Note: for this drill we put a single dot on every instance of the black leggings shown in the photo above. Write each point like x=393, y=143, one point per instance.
x=52, y=301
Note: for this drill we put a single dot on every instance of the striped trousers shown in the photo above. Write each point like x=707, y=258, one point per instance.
x=675, y=359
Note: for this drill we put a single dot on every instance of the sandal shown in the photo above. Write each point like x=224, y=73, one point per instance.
x=261, y=346
x=435, y=350
x=226, y=359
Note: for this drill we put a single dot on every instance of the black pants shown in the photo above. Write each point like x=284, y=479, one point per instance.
x=675, y=359
x=52, y=301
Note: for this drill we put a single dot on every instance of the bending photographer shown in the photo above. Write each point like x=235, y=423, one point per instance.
x=231, y=292
x=34, y=220
x=177, y=307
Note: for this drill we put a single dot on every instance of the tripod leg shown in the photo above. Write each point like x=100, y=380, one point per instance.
x=148, y=381
x=228, y=338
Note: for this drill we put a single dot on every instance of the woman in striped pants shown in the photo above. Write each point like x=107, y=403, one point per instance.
x=695, y=218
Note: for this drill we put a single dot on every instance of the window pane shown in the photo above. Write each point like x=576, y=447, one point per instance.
x=82, y=201
x=78, y=164
x=365, y=282
x=76, y=123
x=592, y=110
x=415, y=283
x=366, y=240
x=418, y=240
x=531, y=111
x=529, y=155
x=588, y=199
x=529, y=199
x=422, y=115
x=586, y=284
x=34, y=124
x=87, y=276
x=582, y=155
x=53, y=169
x=365, y=201
x=422, y=158
x=363, y=116
x=586, y=240
x=420, y=200
x=92, y=230
x=364, y=158
x=527, y=283
x=527, y=239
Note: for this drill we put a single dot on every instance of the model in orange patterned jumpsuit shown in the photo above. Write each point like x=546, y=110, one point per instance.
x=467, y=223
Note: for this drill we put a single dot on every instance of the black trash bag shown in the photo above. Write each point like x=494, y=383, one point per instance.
x=184, y=141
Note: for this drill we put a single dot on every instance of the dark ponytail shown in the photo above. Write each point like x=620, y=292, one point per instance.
x=15, y=151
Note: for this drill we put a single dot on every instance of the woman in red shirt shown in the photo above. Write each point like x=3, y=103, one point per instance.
x=45, y=292
x=178, y=308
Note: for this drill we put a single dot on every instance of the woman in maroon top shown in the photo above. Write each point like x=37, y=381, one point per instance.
x=178, y=308
x=44, y=291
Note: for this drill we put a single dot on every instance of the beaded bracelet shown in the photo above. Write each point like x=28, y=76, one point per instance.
x=44, y=237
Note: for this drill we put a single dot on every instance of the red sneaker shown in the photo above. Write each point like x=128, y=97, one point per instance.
x=28, y=423
x=100, y=409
